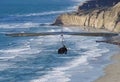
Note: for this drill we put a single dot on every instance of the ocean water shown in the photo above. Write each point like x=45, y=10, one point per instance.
x=35, y=59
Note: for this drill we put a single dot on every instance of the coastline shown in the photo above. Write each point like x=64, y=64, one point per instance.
x=112, y=72
x=101, y=17
x=98, y=20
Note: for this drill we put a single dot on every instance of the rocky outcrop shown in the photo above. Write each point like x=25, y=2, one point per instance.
x=100, y=18
x=92, y=4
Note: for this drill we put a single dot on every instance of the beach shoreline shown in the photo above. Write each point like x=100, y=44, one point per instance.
x=98, y=20
x=112, y=73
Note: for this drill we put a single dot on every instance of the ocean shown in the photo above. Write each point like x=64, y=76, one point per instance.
x=35, y=59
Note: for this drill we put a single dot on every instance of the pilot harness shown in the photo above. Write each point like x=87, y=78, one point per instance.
x=63, y=49
x=62, y=37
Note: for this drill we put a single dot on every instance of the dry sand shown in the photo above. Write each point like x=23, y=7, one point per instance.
x=112, y=72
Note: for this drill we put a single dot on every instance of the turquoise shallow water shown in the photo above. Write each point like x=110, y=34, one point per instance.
x=35, y=59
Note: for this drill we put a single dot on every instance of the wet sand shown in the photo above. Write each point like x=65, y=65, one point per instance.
x=112, y=72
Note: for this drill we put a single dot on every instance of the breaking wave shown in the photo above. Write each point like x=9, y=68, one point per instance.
x=64, y=73
x=44, y=13
x=19, y=25
x=23, y=25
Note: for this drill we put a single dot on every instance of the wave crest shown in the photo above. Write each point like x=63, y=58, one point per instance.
x=44, y=13
x=19, y=25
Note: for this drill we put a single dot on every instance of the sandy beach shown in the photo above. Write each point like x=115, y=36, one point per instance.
x=112, y=71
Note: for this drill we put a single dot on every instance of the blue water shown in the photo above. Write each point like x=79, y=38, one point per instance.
x=35, y=59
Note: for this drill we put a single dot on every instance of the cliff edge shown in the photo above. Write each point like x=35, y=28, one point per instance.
x=94, y=15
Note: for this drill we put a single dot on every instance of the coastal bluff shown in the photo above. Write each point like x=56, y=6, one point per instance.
x=98, y=16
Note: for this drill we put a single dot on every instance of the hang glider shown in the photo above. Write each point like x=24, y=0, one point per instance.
x=103, y=34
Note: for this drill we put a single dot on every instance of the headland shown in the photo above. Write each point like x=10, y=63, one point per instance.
x=102, y=15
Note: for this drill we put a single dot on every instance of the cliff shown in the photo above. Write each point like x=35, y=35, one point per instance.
x=92, y=4
x=99, y=17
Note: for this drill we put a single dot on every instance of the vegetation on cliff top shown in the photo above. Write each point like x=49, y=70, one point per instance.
x=95, y=15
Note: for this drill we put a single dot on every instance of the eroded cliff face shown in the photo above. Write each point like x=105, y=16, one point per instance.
x=102, y=18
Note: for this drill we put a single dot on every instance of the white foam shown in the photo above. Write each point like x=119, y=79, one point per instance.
x=19, y=25
x=79, y=0
x=11, y=57
x=76, y=62
x=96, y=52
x=58, y=74
x=45, y=13
x=61, y=74
x=11, y=53
x=21, y=51
x=5, y=65
x=12, y=50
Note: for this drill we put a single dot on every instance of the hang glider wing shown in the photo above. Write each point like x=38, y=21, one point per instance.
x=63, y=33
